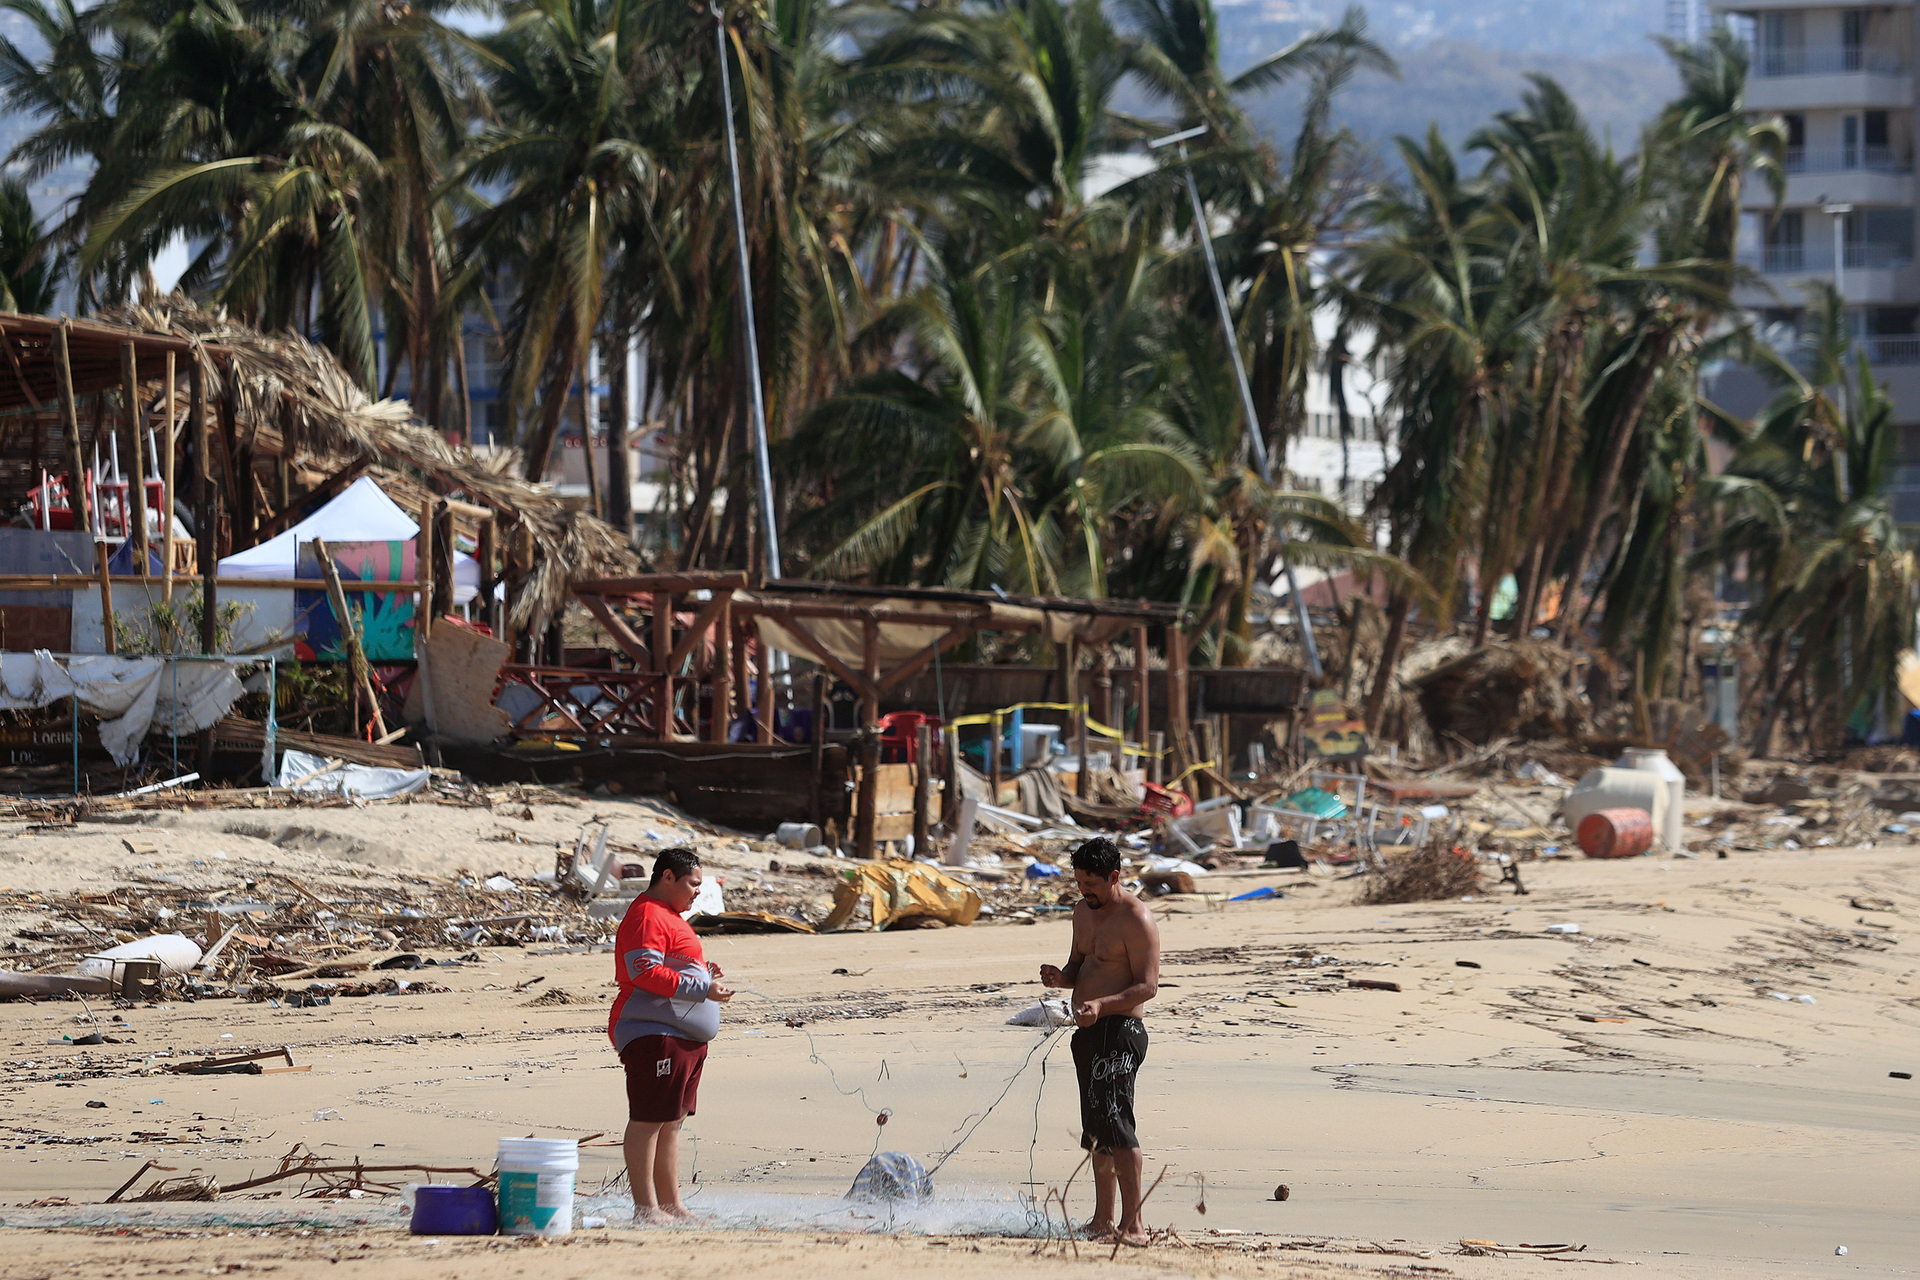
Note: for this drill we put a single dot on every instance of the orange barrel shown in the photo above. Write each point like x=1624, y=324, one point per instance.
x=1615, y=833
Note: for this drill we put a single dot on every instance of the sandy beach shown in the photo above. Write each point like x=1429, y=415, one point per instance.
x=1638, y=1088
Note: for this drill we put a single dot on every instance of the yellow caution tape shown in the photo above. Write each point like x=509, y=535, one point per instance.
x=1094, y=727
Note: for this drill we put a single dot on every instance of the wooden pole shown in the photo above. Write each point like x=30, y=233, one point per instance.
x=662, y=650
x=1083, y=779
x=130, y=391
x=951, y=798
x=100, y=556
x=869, y=743
x=720, y=704
x=206, y=530
x=922, y=787
x=765, y=690
x=489, y=576
x=167, y=498
x=1157, y=761
x=423, y=573
x=993, y=759
x=350, y=634
x=1199, y=783
x=817, y=740
x=206, y=506
x=742, y=673
x=1141, y=726
x=83, y=516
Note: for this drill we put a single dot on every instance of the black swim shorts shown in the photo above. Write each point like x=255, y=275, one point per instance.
x=1107, y=1057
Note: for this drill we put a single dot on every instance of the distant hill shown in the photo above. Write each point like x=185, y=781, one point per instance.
x=1460, y=86
x=1582, y=28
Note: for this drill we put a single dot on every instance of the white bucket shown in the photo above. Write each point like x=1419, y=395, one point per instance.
x=536, y=1185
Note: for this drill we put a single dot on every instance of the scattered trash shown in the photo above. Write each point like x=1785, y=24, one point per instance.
x=500, y=884
x=1563, y=928
x=1900, y=1075
x=1283, y=1192
x=891, y=1176
x=328, y=1114
x=1373, y=984
x=1257, y=895
x=1467, y=964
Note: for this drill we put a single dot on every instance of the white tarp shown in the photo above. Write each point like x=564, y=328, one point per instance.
x=362, y=513
x=127, y=694
x=361, y=781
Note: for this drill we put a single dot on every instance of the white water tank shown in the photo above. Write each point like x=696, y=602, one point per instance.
x=1613, y=788
x=1654, y=760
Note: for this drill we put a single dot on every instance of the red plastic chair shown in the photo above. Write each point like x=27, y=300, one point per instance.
x=900, y=736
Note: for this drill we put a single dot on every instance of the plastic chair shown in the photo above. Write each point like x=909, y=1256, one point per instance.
x=900, y=735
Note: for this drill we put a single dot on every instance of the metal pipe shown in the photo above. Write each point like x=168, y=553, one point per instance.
x=1261, y=462
x=758, y=397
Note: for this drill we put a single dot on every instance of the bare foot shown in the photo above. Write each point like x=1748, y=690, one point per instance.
x=1097, y=1231
x=1134, y=1238
x=680, y=1212
x=652, y=1215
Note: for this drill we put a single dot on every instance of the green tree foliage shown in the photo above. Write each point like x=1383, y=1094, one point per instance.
x=990, y=347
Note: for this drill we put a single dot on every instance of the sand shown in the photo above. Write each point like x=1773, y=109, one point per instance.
x=1716, y=1131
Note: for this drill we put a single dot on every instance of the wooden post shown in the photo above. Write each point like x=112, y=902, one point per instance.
x=720, y=705
x=167, y=497
x=993, y=759
x=356, y=653
x=443, y=583
x=100, y=557
x=662, y=651
x=246, y=521
x=1083, y=781
x=489, y=576
x=869, y=794
x=817, y=736
x=951, y=797
x=765, y=690
x=1067, y=657
x=423, y=574
x=1199, y=785
x=922, y=788
x=1157, y=762
x=83, y=515
x=1103, y=694
x=130, y=390
x=1178, y=710
x=742, y=673
x=206, y=529
x=206, y=506
x=1141, y=727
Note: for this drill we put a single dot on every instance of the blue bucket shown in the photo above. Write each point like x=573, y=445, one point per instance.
x=453, y=1211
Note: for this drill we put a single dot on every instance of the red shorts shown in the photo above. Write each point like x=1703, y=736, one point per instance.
x=663, y=1077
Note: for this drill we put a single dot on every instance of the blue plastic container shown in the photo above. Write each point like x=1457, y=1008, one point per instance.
x=454, y=1211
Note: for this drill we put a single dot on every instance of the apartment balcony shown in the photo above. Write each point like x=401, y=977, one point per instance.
x=1872, y=273
x=1800, y=78
x=1905, y=492
x=1853, y=175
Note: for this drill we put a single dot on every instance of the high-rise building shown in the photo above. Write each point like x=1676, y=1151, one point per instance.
x=1842, y=78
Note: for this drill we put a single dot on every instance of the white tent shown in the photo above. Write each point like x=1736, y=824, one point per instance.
x=363, y=513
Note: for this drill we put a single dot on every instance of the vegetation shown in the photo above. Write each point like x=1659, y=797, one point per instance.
x=990, y=349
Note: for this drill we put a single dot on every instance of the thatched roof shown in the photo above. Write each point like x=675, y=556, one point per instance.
x=293, y=400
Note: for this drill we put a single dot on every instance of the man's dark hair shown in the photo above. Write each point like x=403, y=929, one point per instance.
x=677, y=860
x=1099, y=856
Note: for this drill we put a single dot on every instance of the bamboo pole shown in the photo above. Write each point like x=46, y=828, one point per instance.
x=869, y=794
x=423, y=573
x=70, y=420
x=720, y=681
x=100, y=557
x=350, y=633
x=130, y=391
x=1142, y=722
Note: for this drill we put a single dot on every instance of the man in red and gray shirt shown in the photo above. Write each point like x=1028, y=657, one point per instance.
x=667, y=1010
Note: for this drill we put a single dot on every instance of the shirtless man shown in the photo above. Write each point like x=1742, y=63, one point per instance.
x=1114, y=970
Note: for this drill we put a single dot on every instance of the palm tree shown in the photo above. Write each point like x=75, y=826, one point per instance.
x=30, y=270
x=1805, y=501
